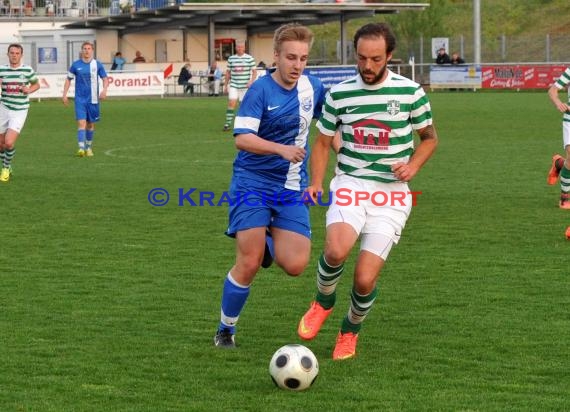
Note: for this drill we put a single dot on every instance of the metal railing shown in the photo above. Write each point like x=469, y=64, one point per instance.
x=74, y=9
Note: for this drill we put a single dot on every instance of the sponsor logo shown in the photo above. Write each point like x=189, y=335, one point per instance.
x=371, y=134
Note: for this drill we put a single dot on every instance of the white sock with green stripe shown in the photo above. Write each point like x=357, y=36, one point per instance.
x=565, y=183
x=8, y=156
x=327, y=278
x=360, y=306
x=229, y=117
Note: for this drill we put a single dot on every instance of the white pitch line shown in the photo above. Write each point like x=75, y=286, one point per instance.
x=113, y=153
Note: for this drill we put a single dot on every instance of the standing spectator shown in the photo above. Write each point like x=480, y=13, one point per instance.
x=272, y=136
x=561, y=165
x=376, y=156
x=442, y=57
x=456, y=58
x=118, y=62
x=240, y=74
x=139, y=58
x=214, y=79
x=86, y=72
x=18, y=81
x=184, y=79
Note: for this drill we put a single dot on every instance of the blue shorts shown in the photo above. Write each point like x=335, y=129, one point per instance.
x=85, y=110
x=255, y=205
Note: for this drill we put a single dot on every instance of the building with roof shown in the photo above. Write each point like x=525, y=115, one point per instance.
x=167, y=32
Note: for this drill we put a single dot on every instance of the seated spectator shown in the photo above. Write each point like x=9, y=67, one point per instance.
x=214, y=79
x=184, y=79
x=442, y=57
x=456, y=59
x=118, y=62
x=139, y=58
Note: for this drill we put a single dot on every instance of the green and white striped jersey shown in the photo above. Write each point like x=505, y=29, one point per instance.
x=240, y=68
x=376, y=122
x=13, y=78
x=562, y=82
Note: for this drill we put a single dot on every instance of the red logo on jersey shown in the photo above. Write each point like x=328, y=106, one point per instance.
x=371, y=134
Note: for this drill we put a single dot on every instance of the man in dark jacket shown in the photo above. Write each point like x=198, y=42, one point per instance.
x=442, y=57
x=184, y=79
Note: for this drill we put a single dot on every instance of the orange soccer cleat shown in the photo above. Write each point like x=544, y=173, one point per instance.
x=345, y=347
x=312, y=321
x=565, y=201
x=554, y=171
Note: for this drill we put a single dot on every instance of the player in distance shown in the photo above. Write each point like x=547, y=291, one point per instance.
x=17, y=81
x=561, y=164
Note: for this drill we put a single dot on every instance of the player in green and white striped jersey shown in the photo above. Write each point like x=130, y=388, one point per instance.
x=240, y=74
x=560, y=166
x=377, y=113
x=17, y=81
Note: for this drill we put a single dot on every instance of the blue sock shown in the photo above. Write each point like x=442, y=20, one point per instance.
x=81, y=138
x=234, y=297
x=89, y=138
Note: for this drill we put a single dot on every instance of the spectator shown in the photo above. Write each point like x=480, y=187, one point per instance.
x=442, y=57
x=118, y=62
x=214, y=79
x=456, y=58
x=184, y=79
x=139, y=58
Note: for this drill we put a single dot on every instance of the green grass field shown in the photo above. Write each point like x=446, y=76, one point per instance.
x=110, y=304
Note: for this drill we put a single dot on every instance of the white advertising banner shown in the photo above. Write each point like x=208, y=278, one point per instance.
x=456, y=76
x=120, y=84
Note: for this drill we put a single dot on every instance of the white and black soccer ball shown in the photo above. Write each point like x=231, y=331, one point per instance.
x=294, y=367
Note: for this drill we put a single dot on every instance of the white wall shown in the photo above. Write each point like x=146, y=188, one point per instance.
x=52, y=34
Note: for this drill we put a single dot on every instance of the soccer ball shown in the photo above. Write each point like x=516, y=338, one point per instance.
x=293, y=367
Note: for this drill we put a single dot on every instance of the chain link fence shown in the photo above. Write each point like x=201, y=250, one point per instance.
x=497, y=50
x=550, y=48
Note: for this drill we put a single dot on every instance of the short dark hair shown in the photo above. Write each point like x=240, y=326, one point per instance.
x=16, y=45
x=377, y=30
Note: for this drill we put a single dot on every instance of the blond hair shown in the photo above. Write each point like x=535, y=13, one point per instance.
x=292, y=32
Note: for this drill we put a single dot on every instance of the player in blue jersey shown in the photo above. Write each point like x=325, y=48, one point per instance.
x=270, y=174
x=86, y=71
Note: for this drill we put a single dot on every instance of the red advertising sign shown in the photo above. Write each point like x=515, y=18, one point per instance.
x=520, y=76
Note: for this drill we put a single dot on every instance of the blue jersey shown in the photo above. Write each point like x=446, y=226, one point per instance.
x=282, y=116
x=87, y=79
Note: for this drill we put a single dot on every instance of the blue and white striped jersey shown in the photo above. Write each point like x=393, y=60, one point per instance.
x=283, y=116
